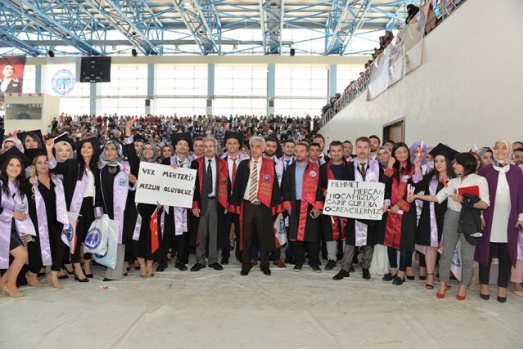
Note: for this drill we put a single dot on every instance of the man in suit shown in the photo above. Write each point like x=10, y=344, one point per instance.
x=211, y=200
x=256, y=198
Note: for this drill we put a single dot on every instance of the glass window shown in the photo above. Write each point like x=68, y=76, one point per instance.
x=126, y=80
x=179, y=106
x=180, y=80
x=301, y=81
x=240, y=106
x=240, y=80
x=298, y=107
x=345, y=74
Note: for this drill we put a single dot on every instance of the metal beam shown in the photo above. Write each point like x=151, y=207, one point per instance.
x=341, y=20
x=37, y=13
x=10, y=33
x=201, y=18
x=360, y=20
x=271, y=22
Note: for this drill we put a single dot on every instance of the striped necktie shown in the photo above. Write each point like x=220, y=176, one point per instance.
x=253, y=186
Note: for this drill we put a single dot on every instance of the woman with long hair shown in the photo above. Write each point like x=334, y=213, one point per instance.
x=113, y=184
x=79, y=186
x=48, y=212
x=465, y=168
x=16, y=227
x=430, y=223
x=503, y=220
x=401, y=220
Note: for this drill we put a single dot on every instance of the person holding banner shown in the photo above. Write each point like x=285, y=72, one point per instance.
x=79, y=187
x=302, y=199
x=114, y=181
x=256, y=198
x=334, y=228
x=401, y=220
x=177, y=219
x=145, y=241
x=16, y=228
x=48, y=212
x=362, y=234
x=233, y=156
x=211, y=200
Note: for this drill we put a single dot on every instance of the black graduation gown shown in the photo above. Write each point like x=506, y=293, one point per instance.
x=131, y=214
x=70, y=169
x=423, y=229
x=312, y=226
x=373, y=232
x=267, y=243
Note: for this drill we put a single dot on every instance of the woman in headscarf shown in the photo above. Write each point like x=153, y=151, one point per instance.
x=503, y=220
x=113, y=184
x=486, y=155
x=10, y=142
x=79, y=186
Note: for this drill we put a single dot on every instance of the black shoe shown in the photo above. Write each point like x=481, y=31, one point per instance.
x=315, y=267
x=179, y=266
x=297, y=267
x=63, y=277
x=484, y=296
x=80, y=280
x=502, y=299
x=330, y=264
x=351, y=269
x=342, y=274
x=410, y=277
x=245, y=271
x=398, y=281
x=68, y=272
x=225, y=260
x=128, y=268
x=423, y=277
x=106, y=279
x=90, y=276
x=388, y=277
x=216, y=266
x=161, y=267
x=366, y=273
x=289, y=261
x=266, y=271
x=197, y=267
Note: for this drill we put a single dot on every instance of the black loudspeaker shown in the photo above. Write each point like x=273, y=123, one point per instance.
x=95, y=69
x=51, y=53
x=293, y=52
x=134, y=52
x=147, y=102
x=271, y=103
x=209, y=102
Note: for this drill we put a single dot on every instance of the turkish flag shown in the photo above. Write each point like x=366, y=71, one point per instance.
x=153, y=226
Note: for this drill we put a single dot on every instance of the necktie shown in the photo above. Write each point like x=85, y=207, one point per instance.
x=234, y=168
x=287, y=163
x=181, y=163
x=363, y=171
x=253, y=186
x=208, y=178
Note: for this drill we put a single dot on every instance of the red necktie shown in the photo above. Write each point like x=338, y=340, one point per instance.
x=233, y=171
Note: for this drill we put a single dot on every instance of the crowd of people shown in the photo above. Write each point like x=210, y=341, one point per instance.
x=262, y=179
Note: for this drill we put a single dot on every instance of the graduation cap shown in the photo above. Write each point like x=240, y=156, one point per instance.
x=93, y=140
x=246, y=144
x=15, y=152
x=185, y=136
x=34, y=153
x=139, y=138
x=63, y=138
x=235, y=135
x=442, y=149
x=23, y=135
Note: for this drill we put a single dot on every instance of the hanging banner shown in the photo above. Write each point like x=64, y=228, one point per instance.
x=165, y=185
x=359, y=200
x=12, y=79
x=413, y=34
x=61, y=75
x=396, y=60
x=379, y=80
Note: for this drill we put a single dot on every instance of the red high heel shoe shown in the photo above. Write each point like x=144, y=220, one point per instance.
x=442, y=295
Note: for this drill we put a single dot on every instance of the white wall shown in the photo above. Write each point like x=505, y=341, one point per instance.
x=50, y=109
x=469, y=88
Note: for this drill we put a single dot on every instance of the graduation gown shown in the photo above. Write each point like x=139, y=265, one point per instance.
x=515, y=184
x=430, y=210
x=331, y=225
x=365, y=232
x=223, y=188
x=302, y=227
x=268, y=194
x=400, y=230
